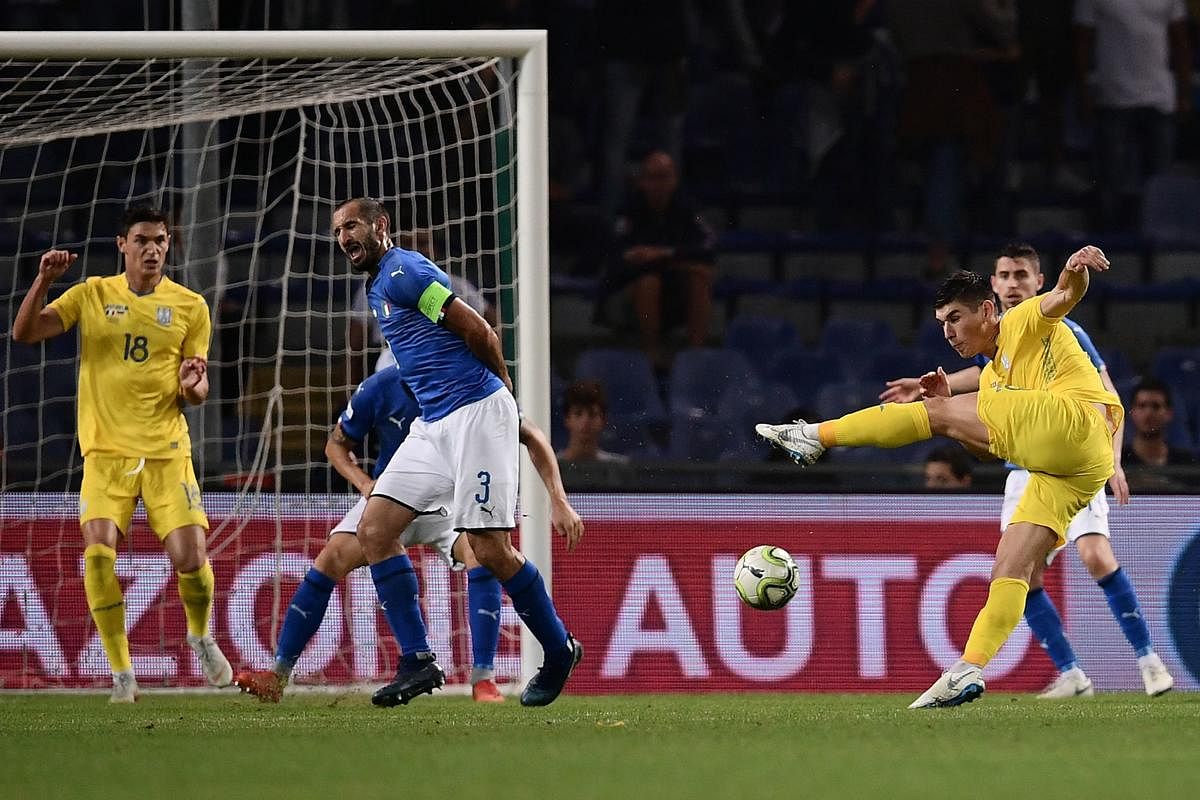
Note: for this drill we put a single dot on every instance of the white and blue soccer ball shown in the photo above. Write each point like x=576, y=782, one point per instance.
x=766, y=577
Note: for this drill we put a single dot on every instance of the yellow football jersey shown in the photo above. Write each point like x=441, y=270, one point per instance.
x=1034, y=351
x=131, y=347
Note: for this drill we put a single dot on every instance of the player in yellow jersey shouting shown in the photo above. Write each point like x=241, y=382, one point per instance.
x=143, y=354
x=1040, y=404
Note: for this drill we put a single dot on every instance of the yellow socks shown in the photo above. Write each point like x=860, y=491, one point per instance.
x=1000, y=614
x=196, y=592
x=107, y=604
x=887, y=425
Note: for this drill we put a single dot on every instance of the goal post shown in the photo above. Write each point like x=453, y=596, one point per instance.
x=200, y=100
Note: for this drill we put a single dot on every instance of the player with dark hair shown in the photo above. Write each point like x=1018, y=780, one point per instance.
x=1040, y=403
x=465, y=444
x=381, y=406
x=948, y=468
x=1017, y=277
x=143, y=355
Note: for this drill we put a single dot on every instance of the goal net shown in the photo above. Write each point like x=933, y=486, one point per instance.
x=249, y=143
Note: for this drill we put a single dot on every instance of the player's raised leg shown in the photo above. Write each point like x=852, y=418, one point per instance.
x=886, y=425
x=396, y=584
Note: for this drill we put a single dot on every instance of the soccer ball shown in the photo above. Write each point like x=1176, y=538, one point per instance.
x=766, y=577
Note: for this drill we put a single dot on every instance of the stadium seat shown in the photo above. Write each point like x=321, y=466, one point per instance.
x=853, y=341
x=755, y=337
x=804, y=371
x=1180, y=367
x=1171, y=209
x=700, y=380
x=634, y=405
x=855, y=335
x=836, y=399
x=895, y=362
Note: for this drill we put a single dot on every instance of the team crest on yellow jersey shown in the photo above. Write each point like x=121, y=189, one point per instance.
x=163, y=315
x=114, y=310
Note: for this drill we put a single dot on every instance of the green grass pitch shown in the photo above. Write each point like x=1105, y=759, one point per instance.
x=632, y=747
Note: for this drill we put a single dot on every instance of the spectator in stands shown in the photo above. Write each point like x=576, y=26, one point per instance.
x=847, y=73
x=1150, y=414
x=644, y=47
x=585, y=415
x=1133, y=93
x=948, y=467
x=1043, y=26
x=665, y=258
x=949, y=114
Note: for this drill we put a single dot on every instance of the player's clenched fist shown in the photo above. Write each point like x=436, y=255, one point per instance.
x=55, y=262
x=191, y=372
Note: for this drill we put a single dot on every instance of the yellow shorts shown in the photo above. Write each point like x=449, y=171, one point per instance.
x=112, y=485
x=1065, y=444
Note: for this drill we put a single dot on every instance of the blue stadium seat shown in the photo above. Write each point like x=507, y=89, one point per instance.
x=854, y=341
x=836, y=399
x=756, y=336
x=1180, y=367
x=1180, y=433
x=1119, y=367
x=895, y=362
x=804, y=371
x=634, y=405
x=1171, y=209
x=700, y=379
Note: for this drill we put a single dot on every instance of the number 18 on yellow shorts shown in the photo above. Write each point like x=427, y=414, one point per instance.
x=168, y=488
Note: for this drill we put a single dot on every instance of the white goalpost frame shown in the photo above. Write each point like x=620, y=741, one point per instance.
x=532, y=212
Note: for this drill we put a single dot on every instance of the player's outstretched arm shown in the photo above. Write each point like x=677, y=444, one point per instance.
x=339, y=449
x=1073, y=281
x=35, y=322
x=906, y=390
x=479, y=336
x=564, y=518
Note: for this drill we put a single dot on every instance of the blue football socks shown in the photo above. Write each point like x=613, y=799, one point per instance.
x=304, y=616
x=483, y=604
x=536, y=609
x=1047, y=626
x=1123, y=602
x=396, y=585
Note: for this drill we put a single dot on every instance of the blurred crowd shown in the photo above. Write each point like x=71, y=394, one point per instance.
x=684, y=133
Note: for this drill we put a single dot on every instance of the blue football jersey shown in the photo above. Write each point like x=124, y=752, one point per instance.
x=407, y=297
x=381, y=405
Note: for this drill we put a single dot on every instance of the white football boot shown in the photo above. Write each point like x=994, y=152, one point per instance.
x=790, y=437
x=212, y=660
x=1154, y=675
x=1069, y=684
x=952, y=689
x=125, y=688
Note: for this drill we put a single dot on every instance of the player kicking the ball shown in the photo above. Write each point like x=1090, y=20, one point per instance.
x=1040, y=404
x=382, y=405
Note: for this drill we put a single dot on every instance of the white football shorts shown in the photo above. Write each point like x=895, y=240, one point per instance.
x=431, y=528
x=470, y=455
x=1093, y=518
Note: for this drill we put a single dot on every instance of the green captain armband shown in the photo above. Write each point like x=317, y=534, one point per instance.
x=433, y=300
